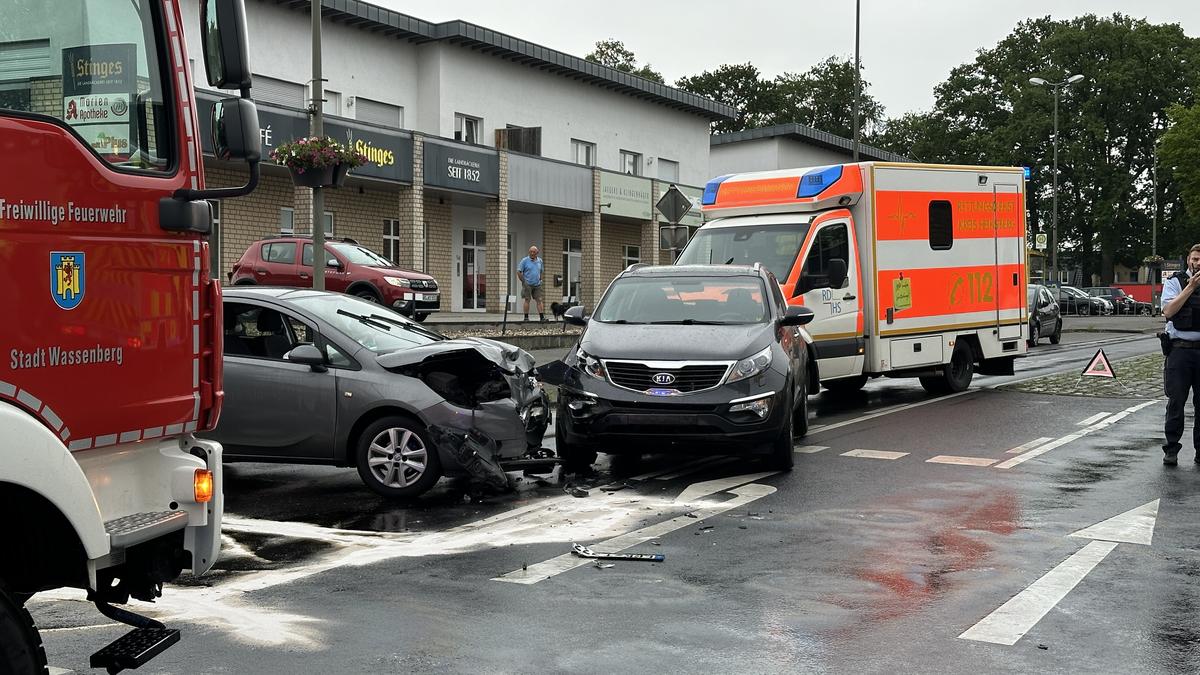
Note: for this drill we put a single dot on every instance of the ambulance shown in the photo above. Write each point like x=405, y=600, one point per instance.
x=912, y=270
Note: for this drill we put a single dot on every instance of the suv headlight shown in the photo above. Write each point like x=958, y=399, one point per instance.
x=398, y=281
x=749, y=367
x=590, y=364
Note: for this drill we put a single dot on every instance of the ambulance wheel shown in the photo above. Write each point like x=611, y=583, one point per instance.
x=1056, y=336
x=21, y=650
x=845, y=385
x=956, y=375
x=1034, y=333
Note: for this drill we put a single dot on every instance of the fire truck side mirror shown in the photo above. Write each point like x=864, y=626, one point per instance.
x=235, y=133
x=223, y=36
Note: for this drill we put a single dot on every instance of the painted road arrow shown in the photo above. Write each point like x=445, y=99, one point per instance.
x=1018, y=616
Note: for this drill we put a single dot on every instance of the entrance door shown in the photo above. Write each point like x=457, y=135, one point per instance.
x=1009, y=230
x=472, y=270
x=835, y=327
x=572, y=261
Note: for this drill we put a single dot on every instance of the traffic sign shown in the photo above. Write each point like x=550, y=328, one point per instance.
x=674, y=205
x=1040, y=241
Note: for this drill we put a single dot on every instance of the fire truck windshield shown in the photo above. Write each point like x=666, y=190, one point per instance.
x=775, y=246
x=92, y=66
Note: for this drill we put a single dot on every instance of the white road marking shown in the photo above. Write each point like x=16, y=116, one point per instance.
x=1047, y=447
x=566, y=562
x=1029, y=446
x=811, y=449
x=695, y=491
x=1093, y=419
x=964, y=461
x=716, y=461
x=874, y=454
x=1132, y=527
x=1016, y=617
x=658, y=472
x=812, y=431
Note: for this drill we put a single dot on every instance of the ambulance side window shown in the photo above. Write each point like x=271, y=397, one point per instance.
x=941, y=225
x=832, y=241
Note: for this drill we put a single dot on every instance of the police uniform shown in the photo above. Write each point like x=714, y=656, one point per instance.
x=1182, y=371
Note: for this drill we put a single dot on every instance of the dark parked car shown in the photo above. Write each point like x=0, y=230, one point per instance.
x=690, y=358
x=350, y=268
x=1071, y=300
x=325, y=378
x=1122, y=302
x=1044, y=317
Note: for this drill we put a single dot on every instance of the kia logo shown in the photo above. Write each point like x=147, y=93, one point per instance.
x=663, y=378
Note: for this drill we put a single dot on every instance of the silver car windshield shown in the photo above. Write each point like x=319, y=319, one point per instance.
x=775, y=246
x=373, y=326
x=684, y=300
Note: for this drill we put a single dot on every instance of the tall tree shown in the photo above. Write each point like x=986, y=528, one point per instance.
x=1179, y=160
x=740, y=86
x=822, y=97
x=614, y=54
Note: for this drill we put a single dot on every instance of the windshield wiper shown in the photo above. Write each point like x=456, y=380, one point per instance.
x=412, y=327
x=368, y=320
x=689, y=322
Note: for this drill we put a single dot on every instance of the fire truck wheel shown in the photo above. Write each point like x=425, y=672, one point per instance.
x=396, y=458
x=1056, y=336
x=21, y=650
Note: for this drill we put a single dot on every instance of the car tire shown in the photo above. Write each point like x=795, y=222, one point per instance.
x=1056, y=336
x=1084, y=310
x=956, y=375
x=367, y=293
x=575, y=457
x=1034, y=333
x=21, y=650
x=845, y=385
x=783, y=453
x=385, y=450
x=420, y=317
x=800, y=411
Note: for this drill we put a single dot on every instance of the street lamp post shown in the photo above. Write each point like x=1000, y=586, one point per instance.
x=857, y=78
x=317, y=128
x=1055, y=87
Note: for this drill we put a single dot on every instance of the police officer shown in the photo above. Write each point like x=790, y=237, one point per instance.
x=1181, y=307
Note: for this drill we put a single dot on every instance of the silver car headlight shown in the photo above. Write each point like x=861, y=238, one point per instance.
x=398, y=281
x=749, y=367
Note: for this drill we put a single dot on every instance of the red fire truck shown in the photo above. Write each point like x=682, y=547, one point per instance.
x=110, y=347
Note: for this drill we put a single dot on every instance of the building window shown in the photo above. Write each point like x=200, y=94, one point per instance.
x=668, y=170
x=630, y=255
x=281, y=92
x=583, y=152
x=468, y=129
x=214, y=239
x=376, y=112
x=391, y=240
x=332, y=104
x=328, y=224
x=424, y=246
x=941, y=225
x=287, y=218
x=631, y=163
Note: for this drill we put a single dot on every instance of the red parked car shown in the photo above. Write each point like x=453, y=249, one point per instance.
x=350, y=268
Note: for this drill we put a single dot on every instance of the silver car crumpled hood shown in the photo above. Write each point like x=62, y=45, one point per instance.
x=511, y=359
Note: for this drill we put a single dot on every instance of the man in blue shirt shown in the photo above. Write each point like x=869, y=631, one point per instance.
x=1181, y=307
x=529, y=272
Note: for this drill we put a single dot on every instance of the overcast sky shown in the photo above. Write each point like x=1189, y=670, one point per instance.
x=908, y=46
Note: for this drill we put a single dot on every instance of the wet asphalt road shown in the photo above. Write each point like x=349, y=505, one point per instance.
x=847, y=564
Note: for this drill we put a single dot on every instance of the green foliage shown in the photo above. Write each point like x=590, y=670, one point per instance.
x=822, y=97
x=740, y=86
x=614, y=54
x=1179, y=155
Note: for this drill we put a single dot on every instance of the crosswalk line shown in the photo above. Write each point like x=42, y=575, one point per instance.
x=699, y=466
x=963, y=461
x=1029, y=446
x=810, y=449
x=1093, y=419
x=875, y=454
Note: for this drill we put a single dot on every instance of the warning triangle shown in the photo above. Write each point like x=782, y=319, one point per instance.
x=1099, y=366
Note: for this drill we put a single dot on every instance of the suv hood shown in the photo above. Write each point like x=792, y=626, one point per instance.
x=674, y=342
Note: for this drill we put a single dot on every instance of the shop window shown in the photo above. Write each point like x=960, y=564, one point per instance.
x=630, y=255
x=583, y=152
x=941, y=225
x=391, y=240
x=668, y=170
x=631, y=163
x=467, y=129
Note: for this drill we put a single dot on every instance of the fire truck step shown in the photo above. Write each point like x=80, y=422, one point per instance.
x=135, y=648
x=138, y=527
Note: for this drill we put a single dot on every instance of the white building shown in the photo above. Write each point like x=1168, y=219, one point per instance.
x=786, y=146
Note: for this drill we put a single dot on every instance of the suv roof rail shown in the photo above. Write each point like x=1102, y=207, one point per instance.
x=637, y=266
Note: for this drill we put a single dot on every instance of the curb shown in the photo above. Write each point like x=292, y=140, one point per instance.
x=1126, y=331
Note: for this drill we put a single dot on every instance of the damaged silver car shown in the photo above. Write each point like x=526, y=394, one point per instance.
x=324, y=378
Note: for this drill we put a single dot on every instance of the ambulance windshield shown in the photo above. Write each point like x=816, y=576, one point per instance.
x=775, y=246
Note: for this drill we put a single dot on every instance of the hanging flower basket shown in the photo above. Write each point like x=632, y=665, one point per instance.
x=317, y=162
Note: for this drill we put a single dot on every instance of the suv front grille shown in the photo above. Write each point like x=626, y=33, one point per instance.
x=424, y=284
x=687, y=378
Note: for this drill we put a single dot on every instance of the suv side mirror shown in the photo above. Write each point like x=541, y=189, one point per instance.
x=575, y=316
x=308, y=355
x=796, y=315
x=223, y=40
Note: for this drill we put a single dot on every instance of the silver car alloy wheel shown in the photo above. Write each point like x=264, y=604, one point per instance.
x=397, y=457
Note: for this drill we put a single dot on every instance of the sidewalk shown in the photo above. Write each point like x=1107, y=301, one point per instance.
x=1113, y=324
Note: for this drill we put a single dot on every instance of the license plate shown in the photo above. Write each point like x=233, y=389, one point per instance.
x=427, y=297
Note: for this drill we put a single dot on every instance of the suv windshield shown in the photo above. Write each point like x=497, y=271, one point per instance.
x=361, y=256
x=373, y=326
x=775, y=246
x=684, y=300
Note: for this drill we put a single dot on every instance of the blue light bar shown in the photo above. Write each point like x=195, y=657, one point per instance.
x=814, y=182
x=710, y=190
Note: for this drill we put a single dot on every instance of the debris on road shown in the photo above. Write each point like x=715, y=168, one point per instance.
x=575, y=491
x=602, y=566
x=585, y=552
x=475, y=453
